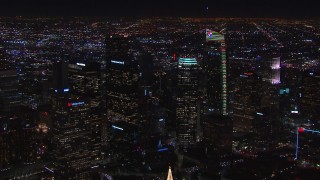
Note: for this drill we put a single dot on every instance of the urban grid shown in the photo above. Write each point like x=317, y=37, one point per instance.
x=159, y=98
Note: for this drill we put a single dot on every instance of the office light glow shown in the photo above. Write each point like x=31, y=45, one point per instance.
x=116, y=127
x=117, y=62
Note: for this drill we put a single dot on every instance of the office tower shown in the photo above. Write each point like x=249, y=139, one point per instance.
x=267, y=120
x=73, y=145
x=266, y=125
x=187, y=106
x=245, y=102
x=215, y=67
x=310, y=96
x=85, y=81
x=147, y=71
x=269, y=69
x=60, y=83
x=9, y=140
x=18, y=140
x=32, y=78
x=217, y=137
x=121, y=82
x=290, y=92
x=10, y=98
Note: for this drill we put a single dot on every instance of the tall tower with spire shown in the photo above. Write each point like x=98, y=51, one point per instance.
x=169, y=174
x=215, y=66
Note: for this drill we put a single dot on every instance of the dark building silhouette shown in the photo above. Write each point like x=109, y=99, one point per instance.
x=266, y=129
x=10, y=98
x=310, y=96
x=217, y=138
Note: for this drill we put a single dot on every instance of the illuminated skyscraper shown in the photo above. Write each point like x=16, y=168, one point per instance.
x=262, y=103
x=84, y=80
x=269, y=69
x=121, y=82
x=187, y=106
x=73, y=150
x=73, y=144
x=215, y=67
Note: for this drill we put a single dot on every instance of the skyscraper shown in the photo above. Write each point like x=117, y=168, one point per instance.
x=310, y=103
x=215, y=67
x=73, y=144
x=121, y=82
x=85, y=81
x=267, y=119
x=187, y=106
x=245, y=102
x=10, y=97
x=217, y=135
x=269, y=69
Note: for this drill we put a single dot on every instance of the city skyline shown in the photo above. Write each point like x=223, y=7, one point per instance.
x=130, y=98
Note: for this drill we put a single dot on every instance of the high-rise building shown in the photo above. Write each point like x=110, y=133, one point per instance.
x=245, y=102
x=85, y=81
x=9, y=140
x=266, y=125
x=187, y=106
x=310, y=103
x=73, y=150
x=269, y=69
x=10, y=97
x=121, y=82
x=73, y=142
x=217, y=137
x=215, y=67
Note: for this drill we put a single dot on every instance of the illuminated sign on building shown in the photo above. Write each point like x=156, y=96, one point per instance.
x=64, y=90
x=81, y=64
x=116, y=127
x=214, y=36
x=162, y=149
x=284, y=91
x=188, y=61
x=117, y=62
x=75, y=103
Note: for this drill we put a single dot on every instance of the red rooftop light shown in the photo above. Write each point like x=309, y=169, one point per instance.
x=301, y=129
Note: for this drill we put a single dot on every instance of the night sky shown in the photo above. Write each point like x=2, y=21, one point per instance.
x=195, y=8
